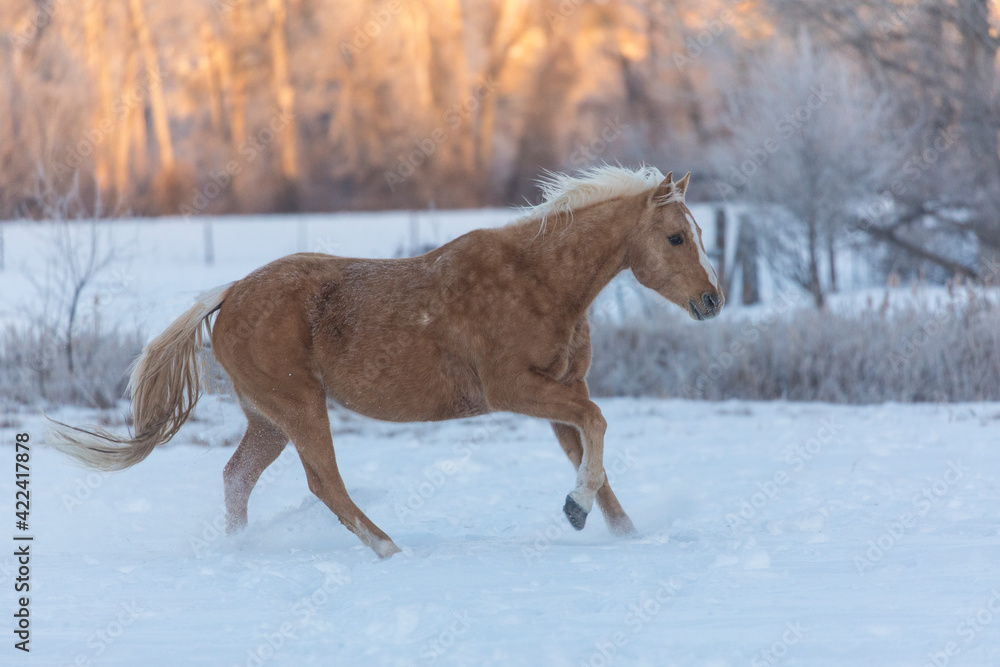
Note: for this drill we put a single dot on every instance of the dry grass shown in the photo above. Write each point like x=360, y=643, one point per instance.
x=915, y=353
x=34, y=369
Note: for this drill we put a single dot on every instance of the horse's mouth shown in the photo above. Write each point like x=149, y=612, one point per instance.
x=702, y=315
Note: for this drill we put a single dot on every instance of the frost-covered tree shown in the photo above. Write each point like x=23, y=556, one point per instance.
x=811, y=140
x=938, y=59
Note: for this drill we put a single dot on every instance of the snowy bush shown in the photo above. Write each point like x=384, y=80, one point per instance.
x=34, y=367
x=945, y=352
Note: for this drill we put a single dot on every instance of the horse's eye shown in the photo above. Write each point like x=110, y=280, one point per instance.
x=676, y=239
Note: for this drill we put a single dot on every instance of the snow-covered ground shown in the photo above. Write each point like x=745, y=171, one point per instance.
x=771, y=534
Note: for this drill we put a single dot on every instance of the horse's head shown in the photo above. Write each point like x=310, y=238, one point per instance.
x=666, y=254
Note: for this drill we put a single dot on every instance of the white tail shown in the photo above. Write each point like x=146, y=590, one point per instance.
x=163, y=385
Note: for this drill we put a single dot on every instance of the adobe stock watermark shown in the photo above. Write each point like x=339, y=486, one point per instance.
x=967, y=630
x=445, y=640
x=224, y=6
x=102, y=639
x=386, y=360
x=39, y=19
x=563, y=11
x=696, y=45
x=750, y=331
x=602, y=313
x=922, y=161
x=796, y=459
x=778, y=650
x=364, y=35
x=639, y=615
x=922, y=503
x=437, y=476
x=212, y=531
x=249, y=150
x=119, y=282
x=83, y=490
x=260, y=311
x=93, y=138
x=388, y=356
x=303, y=612
x=452, y=118
x=786, y=126
x=900, y=15
x=912, y=168
x=557, y=525
x=328, y=245
x=587, y=153
x=908, y=348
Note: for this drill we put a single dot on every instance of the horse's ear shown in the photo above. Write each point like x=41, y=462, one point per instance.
x=682, y=185
x=665, y=192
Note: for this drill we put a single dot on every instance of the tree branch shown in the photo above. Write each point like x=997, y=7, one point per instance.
x=890, y=236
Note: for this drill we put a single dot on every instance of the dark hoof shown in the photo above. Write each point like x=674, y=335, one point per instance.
x=576, y=515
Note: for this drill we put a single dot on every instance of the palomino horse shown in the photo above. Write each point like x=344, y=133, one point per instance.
x=496, y=320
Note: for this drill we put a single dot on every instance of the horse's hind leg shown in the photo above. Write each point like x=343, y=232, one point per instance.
x=262, y=443
x=616, y=518
x=304, y=418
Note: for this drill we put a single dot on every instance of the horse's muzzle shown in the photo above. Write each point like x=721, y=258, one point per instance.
x=710, y=306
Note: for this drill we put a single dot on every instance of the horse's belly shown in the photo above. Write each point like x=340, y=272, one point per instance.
x=402, y=389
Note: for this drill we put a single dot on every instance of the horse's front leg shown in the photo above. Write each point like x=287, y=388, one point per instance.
x=615, y=516
x=538, y=396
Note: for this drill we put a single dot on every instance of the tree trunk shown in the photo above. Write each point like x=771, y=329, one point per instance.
x=94, y=20
x=449, y=75
x=831, y=256
x=140, y=130
x=747, y=256
x=209, y=62
x=510, y=27
x=71, y=325
x=239, y=104
x=720, y=245
x=284, y=92
x=815, y=287
x=157, y=102
x=123, y=140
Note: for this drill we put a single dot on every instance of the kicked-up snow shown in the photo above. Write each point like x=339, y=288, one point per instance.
x=770, y=534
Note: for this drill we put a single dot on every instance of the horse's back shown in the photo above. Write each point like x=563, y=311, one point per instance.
x=370, y=330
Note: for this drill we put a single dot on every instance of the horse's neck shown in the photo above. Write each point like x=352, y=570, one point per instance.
x=578, y=256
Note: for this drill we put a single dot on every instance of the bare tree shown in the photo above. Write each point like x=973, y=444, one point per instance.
x=284, y=92
x=77, y=258
x=806, y=138
x=493, y=90
x=939, y=59
x=158, y=105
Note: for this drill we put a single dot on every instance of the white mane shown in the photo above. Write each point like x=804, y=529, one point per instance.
x=561, y=193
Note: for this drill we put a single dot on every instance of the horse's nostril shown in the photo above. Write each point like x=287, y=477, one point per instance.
x=709, y=300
